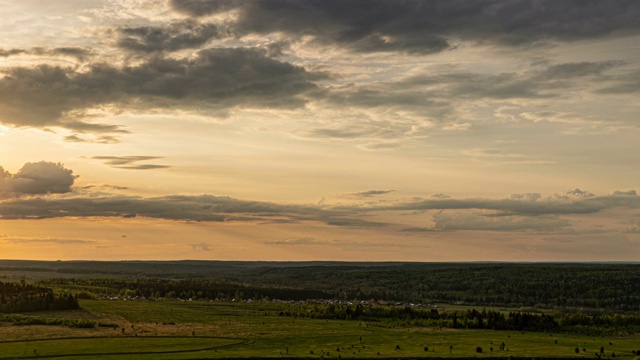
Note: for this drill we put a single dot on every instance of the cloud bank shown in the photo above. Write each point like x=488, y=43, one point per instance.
x=28, y=195
x=216, y=78
x=424, y=27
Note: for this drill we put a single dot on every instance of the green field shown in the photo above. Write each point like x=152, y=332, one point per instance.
x=196, y=330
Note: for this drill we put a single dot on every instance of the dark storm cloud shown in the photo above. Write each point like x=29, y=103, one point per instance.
x=426, y=26
x=172, y=37
x=217, y=78
x=36, y=179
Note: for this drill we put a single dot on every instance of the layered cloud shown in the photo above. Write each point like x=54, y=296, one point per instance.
x=451, y=214
x=527, y=205
x=217, y=78
x=472, y=221
x=280, y=103
x=213, y=57
x=424, y=27
x=26, y=196
x=167, y=38
x=78, y=53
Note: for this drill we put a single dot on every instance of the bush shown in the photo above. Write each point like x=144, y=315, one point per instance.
x=82, y=324
x=84, y=295
x=111, y=325
x=478, y=349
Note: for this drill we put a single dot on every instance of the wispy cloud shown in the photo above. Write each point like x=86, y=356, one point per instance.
x=129, y=162
x=200, y=246
x=371, y=193
x=28, y=240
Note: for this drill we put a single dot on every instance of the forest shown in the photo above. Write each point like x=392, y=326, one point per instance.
x=611, y=287
x=23, y=297
x=517, y=309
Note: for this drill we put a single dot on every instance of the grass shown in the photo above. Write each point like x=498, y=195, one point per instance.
x=196, y=330
x=104, y=346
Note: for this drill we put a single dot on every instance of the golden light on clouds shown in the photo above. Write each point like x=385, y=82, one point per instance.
x=403, y=131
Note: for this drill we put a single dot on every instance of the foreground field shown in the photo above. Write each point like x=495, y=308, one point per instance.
x=196, y=330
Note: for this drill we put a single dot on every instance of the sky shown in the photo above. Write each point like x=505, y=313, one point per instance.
x=350, y=130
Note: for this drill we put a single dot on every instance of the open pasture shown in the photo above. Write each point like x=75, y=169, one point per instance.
x=196, y=330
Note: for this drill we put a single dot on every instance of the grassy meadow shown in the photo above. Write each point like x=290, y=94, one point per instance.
x=197, y=330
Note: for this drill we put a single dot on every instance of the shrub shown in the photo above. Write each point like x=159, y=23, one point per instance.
x=83, y=324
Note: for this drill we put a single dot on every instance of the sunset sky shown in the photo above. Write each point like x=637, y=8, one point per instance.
x=320, y=130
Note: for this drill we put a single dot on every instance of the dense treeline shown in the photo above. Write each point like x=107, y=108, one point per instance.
x=513, y=285
x=550, y=286
x=581, y=323
x=470, y=319
x=22, y=297
x=195, y=289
